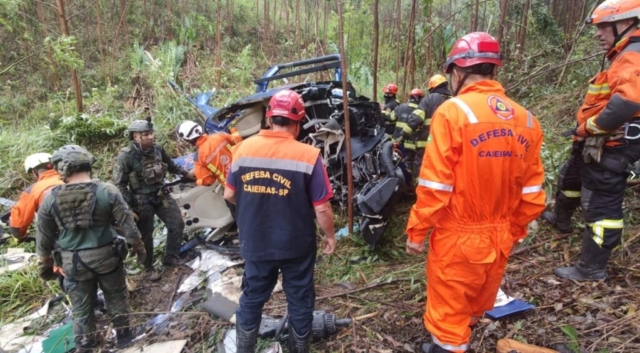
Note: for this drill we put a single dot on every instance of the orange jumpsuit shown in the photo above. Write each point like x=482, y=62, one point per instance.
x=23, y=213
x=213, y=158
x=480, y=186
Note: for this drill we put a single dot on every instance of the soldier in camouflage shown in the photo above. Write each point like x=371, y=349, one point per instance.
x=79, y=217
x=139, y=173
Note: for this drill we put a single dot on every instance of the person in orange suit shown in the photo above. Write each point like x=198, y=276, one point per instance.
x=213, y=152
x=23, y=213
x=479, y=188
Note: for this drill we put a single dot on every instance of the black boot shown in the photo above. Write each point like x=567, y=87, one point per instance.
x=299, y=344
x=433, y=348
x=592, y=264
x=124, y=335
x=246, y=339
x=560, y=218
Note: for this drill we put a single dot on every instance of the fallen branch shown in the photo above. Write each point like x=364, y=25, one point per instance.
x=369, y=286
x=538, y=73
x=535, y=246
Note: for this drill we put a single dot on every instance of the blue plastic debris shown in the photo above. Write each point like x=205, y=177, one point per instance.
x=344, y=232
x=513, y=307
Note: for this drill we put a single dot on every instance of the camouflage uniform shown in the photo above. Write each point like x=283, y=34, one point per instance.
x=79, y=218
x=140, y=177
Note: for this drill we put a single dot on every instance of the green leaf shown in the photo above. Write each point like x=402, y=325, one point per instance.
x=570, y=331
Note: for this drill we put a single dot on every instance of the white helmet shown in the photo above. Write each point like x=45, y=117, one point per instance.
x=189, y=130
x=36, y=160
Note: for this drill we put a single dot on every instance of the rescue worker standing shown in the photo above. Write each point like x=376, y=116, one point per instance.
x=390, y=104
x=25, y=209
x=410, y=120
x=609, y=123
x=438, y=93
x=280, y=187
x=139, y=173
x=479, y=189
x=212, y=159
x=78, y=216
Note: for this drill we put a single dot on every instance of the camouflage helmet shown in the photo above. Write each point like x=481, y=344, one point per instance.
x=70, y=159
x=139, y=126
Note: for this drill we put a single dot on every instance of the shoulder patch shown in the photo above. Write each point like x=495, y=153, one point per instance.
x=501, y=108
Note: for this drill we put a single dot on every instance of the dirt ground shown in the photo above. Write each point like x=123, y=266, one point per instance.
x=587, y=317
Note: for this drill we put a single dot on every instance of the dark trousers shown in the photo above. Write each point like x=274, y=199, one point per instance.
x=570, y=181
x=260, y=278
x=603, y=188
x=171, y=217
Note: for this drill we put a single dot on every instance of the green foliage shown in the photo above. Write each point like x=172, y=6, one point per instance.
x=88, y=130
x=8, y=11
x=572, y=335
x=22, y=291
x=64, y=51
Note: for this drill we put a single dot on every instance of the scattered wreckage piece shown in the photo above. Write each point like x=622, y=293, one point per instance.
x=159, y=347
x=15, y=259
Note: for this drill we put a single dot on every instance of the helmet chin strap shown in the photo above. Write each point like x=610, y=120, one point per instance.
x=618, y=36
x=461, y=83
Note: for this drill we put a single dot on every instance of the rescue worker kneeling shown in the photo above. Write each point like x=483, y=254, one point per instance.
x=280, y=187
x=212, y=159
x=479, y=188
x=23, y=213
x=78, y=216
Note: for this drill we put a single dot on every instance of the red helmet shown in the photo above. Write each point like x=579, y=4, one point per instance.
x=390, y=88
x=287, y=104
x=416, y=92
x=472, y=49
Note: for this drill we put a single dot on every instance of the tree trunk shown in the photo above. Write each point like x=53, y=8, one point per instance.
x=169, y=29
x=100, y=40
x=62, y=21
x=409, y=47
x=346, y=118
x=523, y=26
x=265, y=28
x=376, y=35
x=398, y=38
x=474, y=19
x=218, y=62
x=55, y=78
x=504, y=5
x=297, y=20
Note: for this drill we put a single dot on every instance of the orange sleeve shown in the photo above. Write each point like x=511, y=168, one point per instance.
x=22, y=214
x=533, y=198
x=437, y=179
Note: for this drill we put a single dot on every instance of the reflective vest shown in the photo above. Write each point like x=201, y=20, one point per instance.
x=212, y=160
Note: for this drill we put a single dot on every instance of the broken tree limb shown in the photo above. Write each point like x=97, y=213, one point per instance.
x=370, y=286
x=538, y=73
x=535, y=246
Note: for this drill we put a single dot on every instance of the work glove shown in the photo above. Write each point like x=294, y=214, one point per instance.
x=45, y=269
x=138, y=250
x=592, y=150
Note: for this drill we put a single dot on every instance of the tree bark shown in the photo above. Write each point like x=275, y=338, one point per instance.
x=55, y=78
x=347, y=126
x=474, y=19
x=504, y=5
x=218, y=62
x=169, y=29
x=398, y=38
x=100, y=40
x=376, y=35
x=408, y=48
x=62, y=21
x=523, y=26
